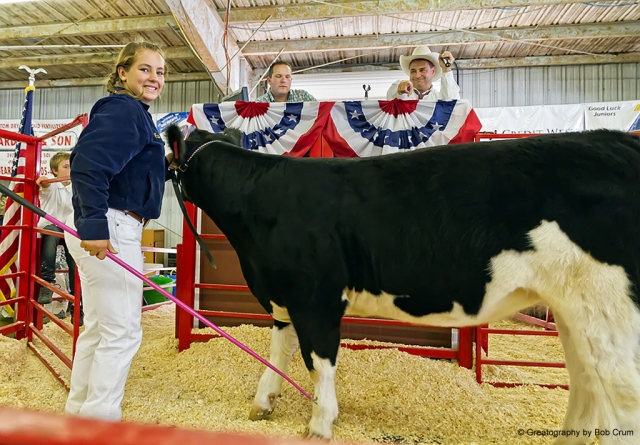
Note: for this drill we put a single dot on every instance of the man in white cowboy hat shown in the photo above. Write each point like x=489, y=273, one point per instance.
x=424, y=67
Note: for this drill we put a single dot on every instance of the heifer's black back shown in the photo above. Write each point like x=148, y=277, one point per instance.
x=423, y=223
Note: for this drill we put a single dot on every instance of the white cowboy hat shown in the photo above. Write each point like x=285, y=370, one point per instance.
x=422, y=52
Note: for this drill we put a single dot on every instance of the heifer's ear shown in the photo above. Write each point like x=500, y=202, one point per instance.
x=174, y=139
x=235, y=136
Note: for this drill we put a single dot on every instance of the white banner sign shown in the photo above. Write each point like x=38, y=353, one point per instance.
x=623, y=116
x=532, y=119
x=64, y=141
x=6, y=161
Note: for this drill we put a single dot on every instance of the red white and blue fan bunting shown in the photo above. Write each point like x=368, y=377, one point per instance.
x=372, y=128
x=276, y=128
x=348, y=129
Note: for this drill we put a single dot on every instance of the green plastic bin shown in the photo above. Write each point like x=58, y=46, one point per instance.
x=152, y=296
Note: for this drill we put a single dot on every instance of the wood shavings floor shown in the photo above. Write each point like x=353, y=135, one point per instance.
x=385, y=396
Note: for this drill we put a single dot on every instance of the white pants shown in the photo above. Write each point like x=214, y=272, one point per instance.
x=112, y=299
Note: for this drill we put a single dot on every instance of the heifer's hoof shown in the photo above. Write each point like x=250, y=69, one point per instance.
x=308, y=434
x=259, y=413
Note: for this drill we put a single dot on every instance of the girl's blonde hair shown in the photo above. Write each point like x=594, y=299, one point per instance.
x=125, y=60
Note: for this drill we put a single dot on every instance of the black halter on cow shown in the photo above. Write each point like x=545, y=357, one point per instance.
x=447, y=236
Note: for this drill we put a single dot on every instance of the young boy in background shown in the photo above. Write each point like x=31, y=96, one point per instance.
x=55, y=200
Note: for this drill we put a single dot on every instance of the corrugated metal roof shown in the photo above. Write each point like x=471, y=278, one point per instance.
x=345, y=41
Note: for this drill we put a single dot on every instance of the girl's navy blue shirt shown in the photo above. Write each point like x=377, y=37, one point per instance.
x=118, y=162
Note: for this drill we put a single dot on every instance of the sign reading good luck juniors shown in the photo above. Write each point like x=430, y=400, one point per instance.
x=623, y=116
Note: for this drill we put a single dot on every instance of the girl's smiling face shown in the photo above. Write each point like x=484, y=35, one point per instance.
x=145, y=76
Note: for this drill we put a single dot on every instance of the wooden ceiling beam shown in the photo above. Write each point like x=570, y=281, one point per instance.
x=204, y=30
x=313, y=10
x=173, y=53
x=88, y=27
x=480, y=36
x=545, y=61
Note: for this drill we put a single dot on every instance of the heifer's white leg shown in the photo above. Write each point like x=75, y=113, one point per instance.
x=600, y=329
x=618, y=369
x=325, y=407
x=602, y=321
x=582, y=413
x=284, y=342
x=319, y=334
x=605, y=383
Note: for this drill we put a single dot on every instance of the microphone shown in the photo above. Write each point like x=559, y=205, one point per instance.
x=366, y=89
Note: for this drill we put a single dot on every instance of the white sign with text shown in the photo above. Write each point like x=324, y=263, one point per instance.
x=64, y=141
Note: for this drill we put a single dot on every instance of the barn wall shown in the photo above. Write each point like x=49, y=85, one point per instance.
x=551, y=85
x=505, y=87
x=484, y=88
x=64, y=103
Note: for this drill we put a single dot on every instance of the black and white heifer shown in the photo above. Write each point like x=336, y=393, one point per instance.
x=450, y=236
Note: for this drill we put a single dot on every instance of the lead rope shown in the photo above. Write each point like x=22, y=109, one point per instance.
x=176, y=188
x=23, y=202
x=178, y=192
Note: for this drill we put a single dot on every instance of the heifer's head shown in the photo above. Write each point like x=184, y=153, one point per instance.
x=183, y=153
x=185, y=149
